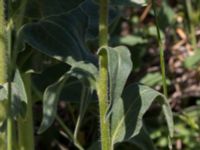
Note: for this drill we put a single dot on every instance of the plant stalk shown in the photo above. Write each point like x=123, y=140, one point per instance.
x=190, y=14
x=10, y=122
x=83, y=107
x=102, y=85
x=3, y=45
x=25, y=125
x=69, y=133
x=5, y=48
x=161, y=47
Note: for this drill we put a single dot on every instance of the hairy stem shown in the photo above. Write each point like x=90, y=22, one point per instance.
x=3, y=45
x=102, y=85
x=3, y=70
x=5, y=73
x=161, y=47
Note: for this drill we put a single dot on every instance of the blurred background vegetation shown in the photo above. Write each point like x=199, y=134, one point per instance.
x=180, y=25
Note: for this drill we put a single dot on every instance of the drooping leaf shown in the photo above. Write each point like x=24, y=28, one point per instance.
x=128, y=111
x=19, y=95
x=50, y=100
x=119, y=68
x=143, y=140
x=140, y=142
x=82, y=71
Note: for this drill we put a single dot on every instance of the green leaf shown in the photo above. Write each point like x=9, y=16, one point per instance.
x=152, y=79
x=64, y=36
x=128, y=111
x=119, y=68
x=3, y=104
x=19, y=99
x=86, y=73
x=143, y=140
x=166, y=15
x=3, y=93
x=43, y=8
x=50, y=100
x=129, y=40
x=129, y=2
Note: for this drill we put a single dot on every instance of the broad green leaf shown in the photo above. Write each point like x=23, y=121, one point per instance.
x=128, y=111
x=44, y=79
x=140, y=142
x=143, y=140
x=45, y=8
x=129, y=2
x=55, y=7
x=85, y=72
x=64, y=36
x=119, y=68
x=91, y=9
x=82, y=71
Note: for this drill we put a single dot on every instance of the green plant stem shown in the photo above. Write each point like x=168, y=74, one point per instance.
x=161, y=47
x=83, y=107
x=9, y=120
x=102, y=85
x=10, y=125
x=190, y=14
x=103, y=23
x=69, y=133
x=25, y=125
x=3, y=68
